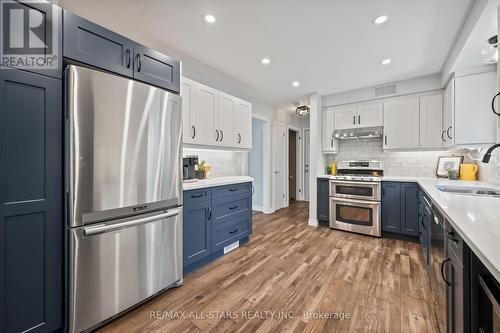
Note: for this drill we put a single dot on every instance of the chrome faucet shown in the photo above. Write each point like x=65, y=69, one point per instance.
x=487, y=156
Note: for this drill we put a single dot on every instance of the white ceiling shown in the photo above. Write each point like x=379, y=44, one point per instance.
x=327, y=45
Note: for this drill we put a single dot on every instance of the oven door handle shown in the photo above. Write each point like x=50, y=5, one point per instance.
x=491, y=296
x=354, y=183
x=364, y=203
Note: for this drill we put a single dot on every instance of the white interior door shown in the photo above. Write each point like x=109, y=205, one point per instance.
x=307, y=139
x=279, y=163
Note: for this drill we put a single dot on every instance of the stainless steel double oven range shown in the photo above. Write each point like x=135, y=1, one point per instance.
x=355, y=194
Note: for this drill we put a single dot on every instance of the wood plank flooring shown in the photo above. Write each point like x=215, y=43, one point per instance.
x=291, y=274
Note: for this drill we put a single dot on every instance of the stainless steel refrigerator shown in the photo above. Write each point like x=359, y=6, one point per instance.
x=123, y=185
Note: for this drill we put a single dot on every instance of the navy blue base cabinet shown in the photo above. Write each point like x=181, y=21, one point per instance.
x=323, y=208
x=213, y=219
x=400, y=208
x=31, y=187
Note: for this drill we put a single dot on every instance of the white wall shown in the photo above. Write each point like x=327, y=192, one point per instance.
x=317, y=161
x=405, y=87
x=256, y=162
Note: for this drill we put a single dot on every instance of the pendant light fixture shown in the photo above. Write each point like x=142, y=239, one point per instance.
x=489, y=53
x=303, y=111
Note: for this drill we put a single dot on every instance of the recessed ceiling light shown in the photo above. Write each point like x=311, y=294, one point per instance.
x=266, y=61
x=380, y=19
x=295, y=83
x=386, y=61
x=209, y=18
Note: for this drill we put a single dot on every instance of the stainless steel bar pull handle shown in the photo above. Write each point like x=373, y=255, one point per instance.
x=102, y=228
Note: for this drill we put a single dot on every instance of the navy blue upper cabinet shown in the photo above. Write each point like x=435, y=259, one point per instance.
x=31, y=187
x=156, y=68
x=323, y=208
x=409, y=209
x=391, y=207
x=92, y=44
x=47, y=48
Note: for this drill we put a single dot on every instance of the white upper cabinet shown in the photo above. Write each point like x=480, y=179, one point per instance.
x=213, y=118
x=243, y=125
x=370, y=114
x=432, y=135
x=206, y=106
x=475, y=122
x=188, y=88
x=401, y=124
x=225, y=120
x=328, y=143
x=345, y=117
x=448, y=130
x=359, y=115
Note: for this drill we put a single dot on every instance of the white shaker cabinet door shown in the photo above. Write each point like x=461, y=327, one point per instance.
x=345, y=117
x=243, y=125
x=475, y=123
x=206, y=106
x=328, y=143
x=188, y=89
x=432, y=134
x=370, y=115
x=448, y=130
x=401, y=124
x=225, y=121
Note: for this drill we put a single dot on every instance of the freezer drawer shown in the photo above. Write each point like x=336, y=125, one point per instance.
x=114, y=266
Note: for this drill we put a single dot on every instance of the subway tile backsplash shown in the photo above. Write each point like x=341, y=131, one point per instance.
x=224, y=163
x=418, y=163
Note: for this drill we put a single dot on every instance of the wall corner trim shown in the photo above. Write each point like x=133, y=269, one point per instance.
x=313, y=223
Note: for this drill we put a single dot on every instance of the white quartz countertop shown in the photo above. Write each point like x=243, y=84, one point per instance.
x=476, y=218
x=216, y=181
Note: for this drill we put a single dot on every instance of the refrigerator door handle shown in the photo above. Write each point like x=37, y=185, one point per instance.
x=103, y=228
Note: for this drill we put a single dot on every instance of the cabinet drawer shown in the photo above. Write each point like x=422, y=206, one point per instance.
x=198, y=195
x=229, y=206
x=230, y=231
x=224, y=191
x=455, y=242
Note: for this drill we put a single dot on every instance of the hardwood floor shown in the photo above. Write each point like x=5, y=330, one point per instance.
x=287, y=276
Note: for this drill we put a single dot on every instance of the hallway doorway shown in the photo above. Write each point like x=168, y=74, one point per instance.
x=292, y=165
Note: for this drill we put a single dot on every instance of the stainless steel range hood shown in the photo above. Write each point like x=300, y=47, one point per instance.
x=359, y=133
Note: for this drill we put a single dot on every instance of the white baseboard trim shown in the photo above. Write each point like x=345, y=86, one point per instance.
x=313, y=223
x=258, y=208
x=268, y=210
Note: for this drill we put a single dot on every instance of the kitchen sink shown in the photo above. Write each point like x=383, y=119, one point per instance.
x=482, y=191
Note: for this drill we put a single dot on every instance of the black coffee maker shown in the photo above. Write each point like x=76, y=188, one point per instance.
x=189, y=164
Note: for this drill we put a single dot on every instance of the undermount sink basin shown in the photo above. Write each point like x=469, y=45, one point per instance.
x=482, y=191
